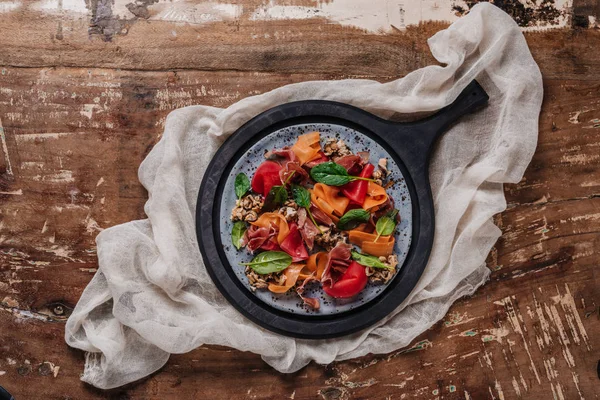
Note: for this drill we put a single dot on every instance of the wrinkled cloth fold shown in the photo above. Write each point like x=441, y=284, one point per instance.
x=152, y=295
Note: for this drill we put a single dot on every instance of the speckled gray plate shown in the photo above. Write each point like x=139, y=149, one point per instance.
x=356, y=141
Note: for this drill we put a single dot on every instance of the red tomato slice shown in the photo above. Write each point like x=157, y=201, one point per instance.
x=265, y=177
x=356, y=191
x=350, y=284
x=293, y=244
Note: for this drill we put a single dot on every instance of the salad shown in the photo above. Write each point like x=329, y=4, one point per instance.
x=316, y=214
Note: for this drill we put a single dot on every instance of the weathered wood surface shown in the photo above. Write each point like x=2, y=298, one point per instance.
x=84, y=93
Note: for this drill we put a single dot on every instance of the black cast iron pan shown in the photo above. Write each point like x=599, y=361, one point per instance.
x=408, y=144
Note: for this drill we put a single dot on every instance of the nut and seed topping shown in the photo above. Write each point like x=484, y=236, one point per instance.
x=336, y=148
x=247, y=208
x=383, y=275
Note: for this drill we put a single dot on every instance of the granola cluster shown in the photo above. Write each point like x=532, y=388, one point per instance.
x=383, y=275
x=258, y=281
x=289, y=210
x=247, y=208
x=329, y=239
x=382, y=172
x=336, y=148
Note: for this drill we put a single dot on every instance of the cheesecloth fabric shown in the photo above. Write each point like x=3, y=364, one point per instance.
x=152, y=295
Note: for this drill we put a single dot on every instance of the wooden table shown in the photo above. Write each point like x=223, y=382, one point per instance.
x=84, y=91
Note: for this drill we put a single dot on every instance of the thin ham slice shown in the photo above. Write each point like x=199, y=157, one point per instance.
x=256, y=236
x=350, y=162
x=340, y=253
x=309, y=301
x=320, y=216
x=293, y=244
x=281, y=155
x=300, y=176
x=307, y=229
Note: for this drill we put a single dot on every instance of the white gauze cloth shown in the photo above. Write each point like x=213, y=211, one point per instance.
x=152, y=295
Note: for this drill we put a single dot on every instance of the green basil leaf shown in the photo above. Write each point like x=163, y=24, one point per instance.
x=353, y=218
x=270, y=261
x=367, y=260
x=275, y=198
x=301, y=196
x=237, y=233
x=330, y=173
x=386, y=224
x=242, y=185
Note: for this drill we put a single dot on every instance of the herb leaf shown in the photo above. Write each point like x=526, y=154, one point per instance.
x=386, y=224
x=270, y=261
x=276, y=197
x=237, y=233
x=301, y=196
x=353, y=218
x=330, y=173
x=242, y=185
x=367, y=260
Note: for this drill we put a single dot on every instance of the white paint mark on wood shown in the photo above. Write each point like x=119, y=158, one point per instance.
x=14, y=192
x=378, y=16
x=9, y=170
x=87, y=110
x=26, y=314
x=45, y=227
x=581, y=159
x=487, y=357
x=100, y=181
x=499, y=390
x=61, y=252
x=191, y=12
x=563, y=339
x=61, y=176
x=469, y=354
x=455, y=318
x=546, y=339
x=559, y=392
x=516, y=386
x=496, y=334
x=514, y=321
x=576, y=381
x=32, y=165
x=60, y=6
x=586, y=217
x=91, y=226
x=523, y=381
x=43, y=136
x=568, y=305
x=574, y=117
x=8, y=6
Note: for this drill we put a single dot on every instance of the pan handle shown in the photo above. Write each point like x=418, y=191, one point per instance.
x=422, y=134
x=469, y=100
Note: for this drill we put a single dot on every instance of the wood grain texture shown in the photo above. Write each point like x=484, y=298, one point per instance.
x=83, y=99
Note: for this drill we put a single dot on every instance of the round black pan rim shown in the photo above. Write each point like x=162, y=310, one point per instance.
x=408, y=143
